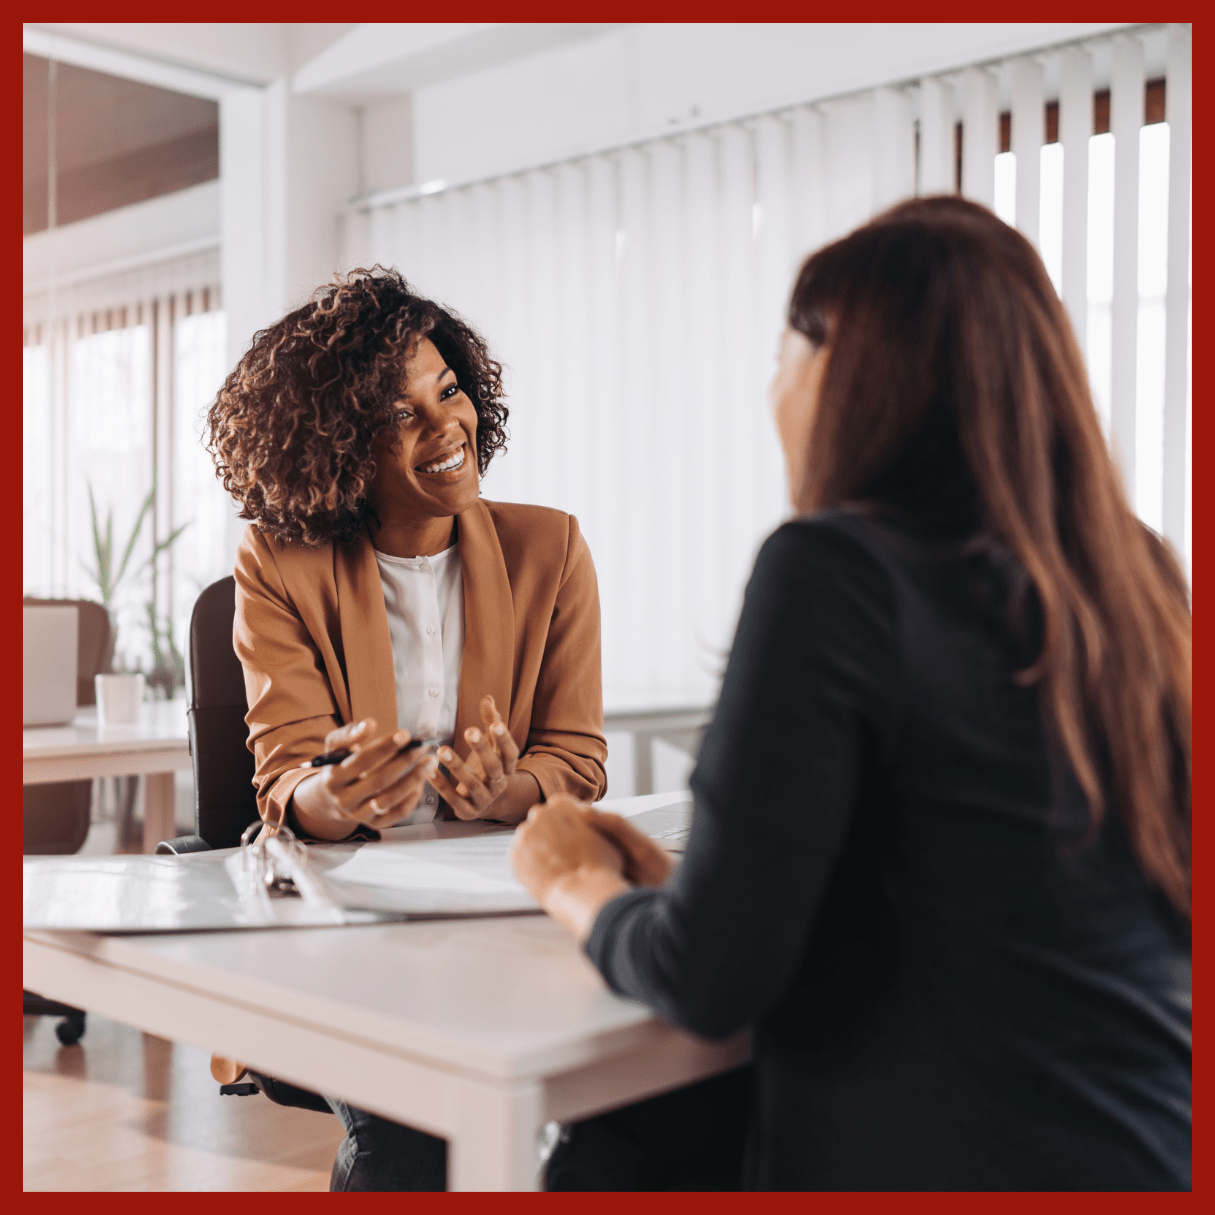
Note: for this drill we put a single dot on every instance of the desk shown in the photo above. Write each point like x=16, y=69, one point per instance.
x=155, y=747
x=480, y=1031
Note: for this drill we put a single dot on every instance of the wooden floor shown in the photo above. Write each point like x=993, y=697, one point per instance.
x=123, y=1110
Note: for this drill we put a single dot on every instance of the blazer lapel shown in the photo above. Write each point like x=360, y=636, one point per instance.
x=489, y=623
x=370, y=674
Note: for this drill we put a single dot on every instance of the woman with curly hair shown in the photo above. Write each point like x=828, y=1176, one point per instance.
x=380, y=599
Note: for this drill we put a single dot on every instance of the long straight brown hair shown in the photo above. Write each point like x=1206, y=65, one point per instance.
x=955, y=394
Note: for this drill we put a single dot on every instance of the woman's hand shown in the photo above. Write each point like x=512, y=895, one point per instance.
x=486, y=785
x=645, y=862
x=570, y=868
x=375, y=784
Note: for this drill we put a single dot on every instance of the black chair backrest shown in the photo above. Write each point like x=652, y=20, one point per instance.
x=225, y=802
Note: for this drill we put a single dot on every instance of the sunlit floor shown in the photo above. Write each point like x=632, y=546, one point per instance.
x=123, y=1110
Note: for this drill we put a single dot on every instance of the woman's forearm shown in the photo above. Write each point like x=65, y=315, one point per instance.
x=522, y=793
x=307, y=807
x=577, y=900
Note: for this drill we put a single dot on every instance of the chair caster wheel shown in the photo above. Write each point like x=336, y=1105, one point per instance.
x=70, y=1030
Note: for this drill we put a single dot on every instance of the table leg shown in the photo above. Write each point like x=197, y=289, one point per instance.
x=643, y=763
x=494, y=1144
x=158, y=820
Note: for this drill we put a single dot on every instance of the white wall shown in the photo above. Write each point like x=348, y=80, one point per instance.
x=156, y=229
x=654, y=79
x=386, y=145
x=288, y=164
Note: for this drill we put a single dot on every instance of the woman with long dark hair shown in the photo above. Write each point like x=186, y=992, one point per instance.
x=940, y=853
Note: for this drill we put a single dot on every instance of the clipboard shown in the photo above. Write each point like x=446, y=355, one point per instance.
x=459, y=869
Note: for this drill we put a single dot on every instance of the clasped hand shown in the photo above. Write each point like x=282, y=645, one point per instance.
x=574, y=859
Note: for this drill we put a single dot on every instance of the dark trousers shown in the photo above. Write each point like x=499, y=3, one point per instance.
x=690, y=1139
x=380, y=1155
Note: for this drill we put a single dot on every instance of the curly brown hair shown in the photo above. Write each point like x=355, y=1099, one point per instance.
x=293, y=428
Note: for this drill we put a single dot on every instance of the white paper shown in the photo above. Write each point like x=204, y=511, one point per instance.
x=478, y=865
x=467, y=873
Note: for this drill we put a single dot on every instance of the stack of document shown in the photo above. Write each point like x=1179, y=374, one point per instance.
x=467, y=875
x=465, y=868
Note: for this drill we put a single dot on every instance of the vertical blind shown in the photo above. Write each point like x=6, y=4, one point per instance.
x=637, y=296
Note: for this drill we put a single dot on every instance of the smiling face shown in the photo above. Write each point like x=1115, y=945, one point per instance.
x=426, y=468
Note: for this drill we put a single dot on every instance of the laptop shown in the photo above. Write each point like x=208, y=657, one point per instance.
x=48, y=664
x=669, y=826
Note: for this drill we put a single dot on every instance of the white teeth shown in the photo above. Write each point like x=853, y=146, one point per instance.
x=454, y=462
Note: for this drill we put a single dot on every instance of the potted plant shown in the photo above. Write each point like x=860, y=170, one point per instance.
x=168, y=664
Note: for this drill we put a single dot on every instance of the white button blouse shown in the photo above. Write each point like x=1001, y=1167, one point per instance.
x=424, y=598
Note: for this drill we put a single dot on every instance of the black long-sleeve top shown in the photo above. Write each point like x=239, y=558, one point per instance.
x=951, y=985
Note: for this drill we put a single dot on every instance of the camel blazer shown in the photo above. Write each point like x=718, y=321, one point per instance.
x=311, y=632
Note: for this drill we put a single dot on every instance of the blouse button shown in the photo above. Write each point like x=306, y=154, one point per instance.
x=430, y=628
x=434, y=691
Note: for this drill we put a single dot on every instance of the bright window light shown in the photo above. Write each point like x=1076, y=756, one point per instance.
x=1050, y=216
x=1006, y=187
x=1099, y=346
x=1153, y=278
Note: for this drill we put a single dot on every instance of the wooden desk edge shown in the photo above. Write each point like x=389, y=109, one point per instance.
x=45, y=769
x=87, y=953
x=409, y=1089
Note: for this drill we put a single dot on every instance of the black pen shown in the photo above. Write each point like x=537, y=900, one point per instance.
x=336, y=757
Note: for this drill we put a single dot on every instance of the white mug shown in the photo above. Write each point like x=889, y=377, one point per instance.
x=118, y=699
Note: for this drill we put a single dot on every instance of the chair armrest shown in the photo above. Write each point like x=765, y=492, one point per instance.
x=182, y=844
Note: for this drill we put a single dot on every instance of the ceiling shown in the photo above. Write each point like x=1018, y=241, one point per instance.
x=356, y=63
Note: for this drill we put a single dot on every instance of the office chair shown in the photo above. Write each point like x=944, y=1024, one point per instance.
x=225, y=801
x=55, y=817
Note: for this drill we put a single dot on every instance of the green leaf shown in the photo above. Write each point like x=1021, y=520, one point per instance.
x=143, y=512
x=164, y=544
x=154, y=629
x=102, y=551
x=160, y=548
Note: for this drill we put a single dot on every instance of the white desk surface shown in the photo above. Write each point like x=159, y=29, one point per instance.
x=158, y=742
x=477, y=1030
